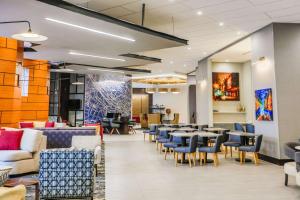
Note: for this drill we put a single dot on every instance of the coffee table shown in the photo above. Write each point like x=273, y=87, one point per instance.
x=12, y=182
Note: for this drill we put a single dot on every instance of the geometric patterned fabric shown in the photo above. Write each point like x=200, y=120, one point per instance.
x=66, y=173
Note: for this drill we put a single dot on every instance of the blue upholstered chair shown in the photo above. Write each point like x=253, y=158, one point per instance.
x=189, y=150
x=233, y=140
x=214, y=150
x=150, y=132
x=253, y=149
x=170, y=146
x=161, y=139
x=239, y=127
x=66, y=174
x=114, y=127
x=250, y=128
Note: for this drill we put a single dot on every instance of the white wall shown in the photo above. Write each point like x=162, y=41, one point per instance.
x=204, y=93
x=244, y=70
x=178, y=103
x=287, y=65
x=263, y=75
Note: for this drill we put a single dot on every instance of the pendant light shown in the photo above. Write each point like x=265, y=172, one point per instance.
x=28, y=36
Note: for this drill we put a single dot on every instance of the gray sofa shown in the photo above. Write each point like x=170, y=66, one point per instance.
x=62, y=137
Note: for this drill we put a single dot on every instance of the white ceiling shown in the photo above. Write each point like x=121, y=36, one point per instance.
x=63, y=39
x=203, y=32
x=240, y=52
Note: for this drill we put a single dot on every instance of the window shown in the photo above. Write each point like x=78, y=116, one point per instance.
x=23, y=79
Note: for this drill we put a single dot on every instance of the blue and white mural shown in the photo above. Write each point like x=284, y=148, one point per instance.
x=106, y=93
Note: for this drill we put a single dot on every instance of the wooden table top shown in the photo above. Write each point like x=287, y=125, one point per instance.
x=12, y=182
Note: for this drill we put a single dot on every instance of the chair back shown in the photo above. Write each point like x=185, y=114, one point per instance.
x=235, y=138
x=164, y=134
x=238, y=127
x=176, y=140
x=258, y=141
x=105, y=123
x=217, y=146
x=193, y=143
x=289, y=149
x=152, y=128
x=250, y=128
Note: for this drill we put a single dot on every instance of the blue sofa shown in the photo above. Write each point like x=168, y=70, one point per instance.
x=62, y=137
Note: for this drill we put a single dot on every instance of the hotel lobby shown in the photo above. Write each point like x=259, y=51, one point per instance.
x=149, y=99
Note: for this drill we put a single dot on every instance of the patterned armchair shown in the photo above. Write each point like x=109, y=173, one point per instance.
x=66, y=173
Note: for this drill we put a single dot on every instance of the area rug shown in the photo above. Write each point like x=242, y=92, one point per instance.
x=99, y=190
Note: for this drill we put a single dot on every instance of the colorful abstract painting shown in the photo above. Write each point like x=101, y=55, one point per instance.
x=226, y=86
x=264, y=105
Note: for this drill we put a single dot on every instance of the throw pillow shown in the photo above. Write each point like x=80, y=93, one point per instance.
x=10, y=140
x=26, y=125
x=50, y=124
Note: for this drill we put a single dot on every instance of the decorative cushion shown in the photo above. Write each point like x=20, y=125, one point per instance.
x=290, y=168
x=38, y=124
x=49, y=124
x=26, y=125
x=14, y=155
x=10, y=140
x=31, y=140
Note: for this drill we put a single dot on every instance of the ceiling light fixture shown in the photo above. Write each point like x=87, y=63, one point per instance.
x=189, y=48
x=239, y=33
x=105, y=70
x=221, y=24
x=78, y=83
x=28, y=36
x=94, y=56
x=90, y=29
x=184, y=65
x=171, y=62
x=199, y=13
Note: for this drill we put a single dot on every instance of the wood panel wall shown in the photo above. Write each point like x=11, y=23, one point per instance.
x=13, y=107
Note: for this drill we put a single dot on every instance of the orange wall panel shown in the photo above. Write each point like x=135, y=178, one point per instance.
x=13, y=107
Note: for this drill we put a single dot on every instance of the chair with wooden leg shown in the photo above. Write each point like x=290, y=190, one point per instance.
x=189, y=150
x=203, y=151
x=114, y=127
x=175, y=142
x=162, y=138
x=252, y=149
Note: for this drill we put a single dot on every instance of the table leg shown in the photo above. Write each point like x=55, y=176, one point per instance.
x=37, y=192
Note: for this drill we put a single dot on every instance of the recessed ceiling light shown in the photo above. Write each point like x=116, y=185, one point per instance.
x=221, y=24
x=189, y=48
x=94, y=56
x=90, y=29
x=184, y=65
x=199, y=12
x=204, y=53
x=238, y=33
x=227, y=60
x=171, y=62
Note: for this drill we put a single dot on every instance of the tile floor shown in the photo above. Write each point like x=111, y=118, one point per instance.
x=136, y=171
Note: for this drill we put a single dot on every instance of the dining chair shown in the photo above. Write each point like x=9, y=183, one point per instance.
x=203, y=151
x=250, y=128
x=114, y=127
x=151, y=130
x=251, y=148
x=239, y=127
x=105, y=125
x=189, y=150
x=170, y=146
x=233, y=141
x=162, y=138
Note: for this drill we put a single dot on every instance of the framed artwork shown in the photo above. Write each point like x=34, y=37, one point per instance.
x=264, y=105
x=226, y=86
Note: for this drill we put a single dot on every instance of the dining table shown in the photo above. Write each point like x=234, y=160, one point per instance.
x=244, y=135
x=216, y=129
x=185, y=135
